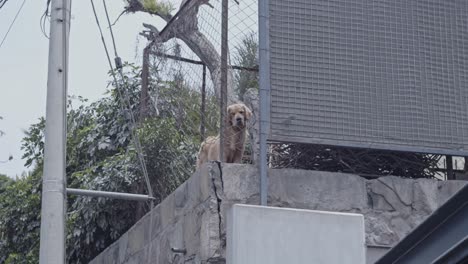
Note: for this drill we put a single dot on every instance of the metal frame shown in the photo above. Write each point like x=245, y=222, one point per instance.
x=455, y=254
x=224, y=76
x=264, y=75
x=356, y=144
x=114, y=195
x=377, y=137
x=178, y=58
x=441, y=238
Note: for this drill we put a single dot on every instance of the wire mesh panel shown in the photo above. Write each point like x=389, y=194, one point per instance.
x=378, y=74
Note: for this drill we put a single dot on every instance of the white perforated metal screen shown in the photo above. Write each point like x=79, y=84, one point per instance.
x=389, y=74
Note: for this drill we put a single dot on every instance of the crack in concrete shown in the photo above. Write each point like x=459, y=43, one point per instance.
x=383, y=197
x=370, y=199
x=218, y=199
x=396, y=194
x=221, y=174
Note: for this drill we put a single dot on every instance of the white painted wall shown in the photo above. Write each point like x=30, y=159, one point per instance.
x=268, y=235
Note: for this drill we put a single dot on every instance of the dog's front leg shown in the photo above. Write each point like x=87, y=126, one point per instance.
x=227, y=156
x=237, y=157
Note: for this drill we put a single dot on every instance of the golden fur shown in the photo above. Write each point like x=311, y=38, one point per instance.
x=234, y=137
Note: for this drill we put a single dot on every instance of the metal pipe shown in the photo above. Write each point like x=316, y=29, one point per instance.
x=449, y=166
x=114, y=195
x=179, y=250
x=264, y=74
x=144, y=96
x=53, y=209
x=224, y=75
x=203, y=105
x=179, y=58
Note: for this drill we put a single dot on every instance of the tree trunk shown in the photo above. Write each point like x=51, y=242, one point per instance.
x=185, y=28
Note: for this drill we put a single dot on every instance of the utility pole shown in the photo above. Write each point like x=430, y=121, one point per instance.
x=52, y=247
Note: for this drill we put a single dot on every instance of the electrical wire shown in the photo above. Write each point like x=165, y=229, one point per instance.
x=43, y=19
x=136, y=139
x=2, y=3
x=124, y=97
x=12, y=23
x=110, y=28
x=132, y=116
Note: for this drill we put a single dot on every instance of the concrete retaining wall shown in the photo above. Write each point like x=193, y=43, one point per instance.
x=193, y=217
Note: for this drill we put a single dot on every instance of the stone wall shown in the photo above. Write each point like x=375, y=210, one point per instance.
x=193, y=217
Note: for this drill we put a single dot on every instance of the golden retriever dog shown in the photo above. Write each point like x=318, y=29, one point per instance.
x=234, y=137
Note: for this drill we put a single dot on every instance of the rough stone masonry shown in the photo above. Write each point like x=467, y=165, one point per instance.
x=193, y=217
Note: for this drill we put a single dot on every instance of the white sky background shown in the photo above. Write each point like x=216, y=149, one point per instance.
x=24, y=58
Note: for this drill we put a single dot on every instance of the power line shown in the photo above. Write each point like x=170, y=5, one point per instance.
x=12, y=22
x=43, y=20
x=125, y=100
x=2, y=3
x=124, y=97
x=110, y=28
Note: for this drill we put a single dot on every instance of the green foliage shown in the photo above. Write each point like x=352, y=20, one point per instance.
x=246, y=55
x=157, y=7
x=101, y=156
x=33, y=143
x=94, y=223
x=172, y=153
x=5, y=181
x=20, y=219
x=183, y=104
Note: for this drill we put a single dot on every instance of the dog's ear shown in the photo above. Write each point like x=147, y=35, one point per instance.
x=228, y=115
x=248, y=113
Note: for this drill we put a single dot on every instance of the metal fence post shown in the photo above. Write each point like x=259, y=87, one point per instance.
x=264, y=75
x=449, y=167
x=203, y=105
x=52, y=240
x=224, y=74
x=144, y=96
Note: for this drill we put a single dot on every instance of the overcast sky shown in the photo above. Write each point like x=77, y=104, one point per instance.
x=24, y=57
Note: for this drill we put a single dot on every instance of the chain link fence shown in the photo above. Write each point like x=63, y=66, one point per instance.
x=181, y=76
x=185, y=73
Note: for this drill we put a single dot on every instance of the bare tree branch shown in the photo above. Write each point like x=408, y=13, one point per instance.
x=185, y=28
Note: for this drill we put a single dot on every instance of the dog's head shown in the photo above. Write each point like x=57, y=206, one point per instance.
x=237, y=115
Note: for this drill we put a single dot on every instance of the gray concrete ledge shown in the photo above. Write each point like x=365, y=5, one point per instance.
x=194, y=216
